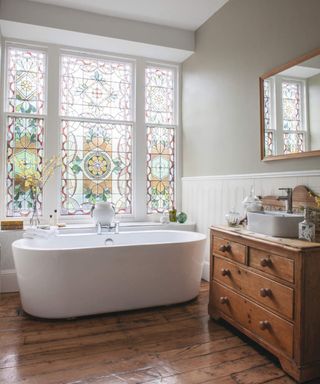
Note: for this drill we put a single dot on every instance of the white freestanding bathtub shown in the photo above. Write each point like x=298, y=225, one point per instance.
x=83, y=274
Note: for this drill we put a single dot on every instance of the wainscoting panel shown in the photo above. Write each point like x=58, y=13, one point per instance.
x=207, y=199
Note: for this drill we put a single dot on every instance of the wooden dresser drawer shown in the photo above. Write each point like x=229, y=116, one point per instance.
x=271, y=264
x=270, y=328
x=230, y=249
x=269, y=293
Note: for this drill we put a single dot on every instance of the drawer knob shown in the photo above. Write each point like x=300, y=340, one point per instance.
x=265, y=262
x=264, y=292
x=224, y=300
x=225, y=248
x=264, y=324
x=225, y=272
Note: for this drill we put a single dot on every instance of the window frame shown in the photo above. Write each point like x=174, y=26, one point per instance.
x=174, y=125
x=277, y=112
x=6, y=115
x=52, y=132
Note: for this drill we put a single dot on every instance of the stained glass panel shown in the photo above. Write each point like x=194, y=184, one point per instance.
x=160, y=168
x=267, y=105
x=159, y=95
x=96, y=166
x=24, y=155
x=293, y=142
x=268, y=143
x=291, y=106
x=95, y=88
x=26, y=81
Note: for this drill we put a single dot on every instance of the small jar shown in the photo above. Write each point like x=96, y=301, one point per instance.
x=164, y=218
x=252, y=203
x=182, y=217
x=232, y=218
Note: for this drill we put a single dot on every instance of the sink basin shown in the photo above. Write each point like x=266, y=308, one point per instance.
x=274, y=223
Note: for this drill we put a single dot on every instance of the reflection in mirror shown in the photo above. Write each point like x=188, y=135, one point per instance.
x=290, y=115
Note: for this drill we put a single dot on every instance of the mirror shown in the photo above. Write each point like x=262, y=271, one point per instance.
x=290, y=109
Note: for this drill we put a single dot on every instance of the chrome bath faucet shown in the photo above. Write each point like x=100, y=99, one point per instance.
x=114, y=226
x=287, y=199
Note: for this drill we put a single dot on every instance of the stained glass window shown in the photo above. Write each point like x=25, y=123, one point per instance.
x=26, y=97
x=26, y=81
x=160, y=118
x=267, y=105
x=293, y=137
x=159, y=97
x=96, y=126
x=291, y=105
x=293, y=142
x=95, y=88
x=97, y=152
x=160, y=168
x=24, y=154
x=268, y=126
x=96, y=160
x=269, y=143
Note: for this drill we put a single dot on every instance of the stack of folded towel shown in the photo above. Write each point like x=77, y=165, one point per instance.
x=33, y=232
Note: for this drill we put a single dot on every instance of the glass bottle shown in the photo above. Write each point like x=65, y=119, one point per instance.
x=307, y=229
x=173, y=215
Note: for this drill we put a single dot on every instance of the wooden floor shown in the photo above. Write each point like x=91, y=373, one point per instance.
x=176, y=344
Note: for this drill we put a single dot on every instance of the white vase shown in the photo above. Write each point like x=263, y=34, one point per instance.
x=103, y=213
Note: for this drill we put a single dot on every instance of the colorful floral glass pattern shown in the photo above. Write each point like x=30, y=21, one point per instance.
x=95, y=88
x=291, y=106
x=26, y=81
x=159, y=95
x=26, y=95
x=96, y=166
x=24, y=152
x=160, y=168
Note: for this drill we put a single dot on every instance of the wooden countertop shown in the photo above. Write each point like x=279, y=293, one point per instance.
x=240, y=231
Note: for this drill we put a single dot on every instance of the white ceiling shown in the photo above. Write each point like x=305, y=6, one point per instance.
x=185, y=14
x=300, y=71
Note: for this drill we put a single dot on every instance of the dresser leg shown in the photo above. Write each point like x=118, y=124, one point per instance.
x=291, y=369
x=303, y=373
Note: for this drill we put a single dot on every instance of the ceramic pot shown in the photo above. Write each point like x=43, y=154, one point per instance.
x=103, y=213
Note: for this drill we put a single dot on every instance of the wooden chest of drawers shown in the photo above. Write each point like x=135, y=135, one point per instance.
x=269, y=289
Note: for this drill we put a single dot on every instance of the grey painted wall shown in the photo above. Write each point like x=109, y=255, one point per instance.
x=221, y=88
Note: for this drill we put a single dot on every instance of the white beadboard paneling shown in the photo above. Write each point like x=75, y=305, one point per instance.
x=6, y=240
x=207, y=199
x=8, y=281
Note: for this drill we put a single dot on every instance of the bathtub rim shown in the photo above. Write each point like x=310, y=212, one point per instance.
x=201, y=237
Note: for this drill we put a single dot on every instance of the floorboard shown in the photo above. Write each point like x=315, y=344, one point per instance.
x=177, y=344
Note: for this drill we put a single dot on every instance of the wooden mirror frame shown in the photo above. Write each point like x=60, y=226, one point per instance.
x=270, y=73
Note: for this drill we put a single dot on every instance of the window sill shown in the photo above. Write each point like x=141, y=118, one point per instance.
x=125, y=226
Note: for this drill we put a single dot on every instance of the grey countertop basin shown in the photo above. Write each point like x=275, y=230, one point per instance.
x=274, y=223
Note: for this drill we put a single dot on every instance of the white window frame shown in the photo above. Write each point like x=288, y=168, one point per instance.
x=6, y=114
x=272, y=129
x=175, y=124
x=277, y=112
x=52, y=134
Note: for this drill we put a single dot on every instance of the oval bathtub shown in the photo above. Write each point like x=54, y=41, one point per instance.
x=76, y=275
